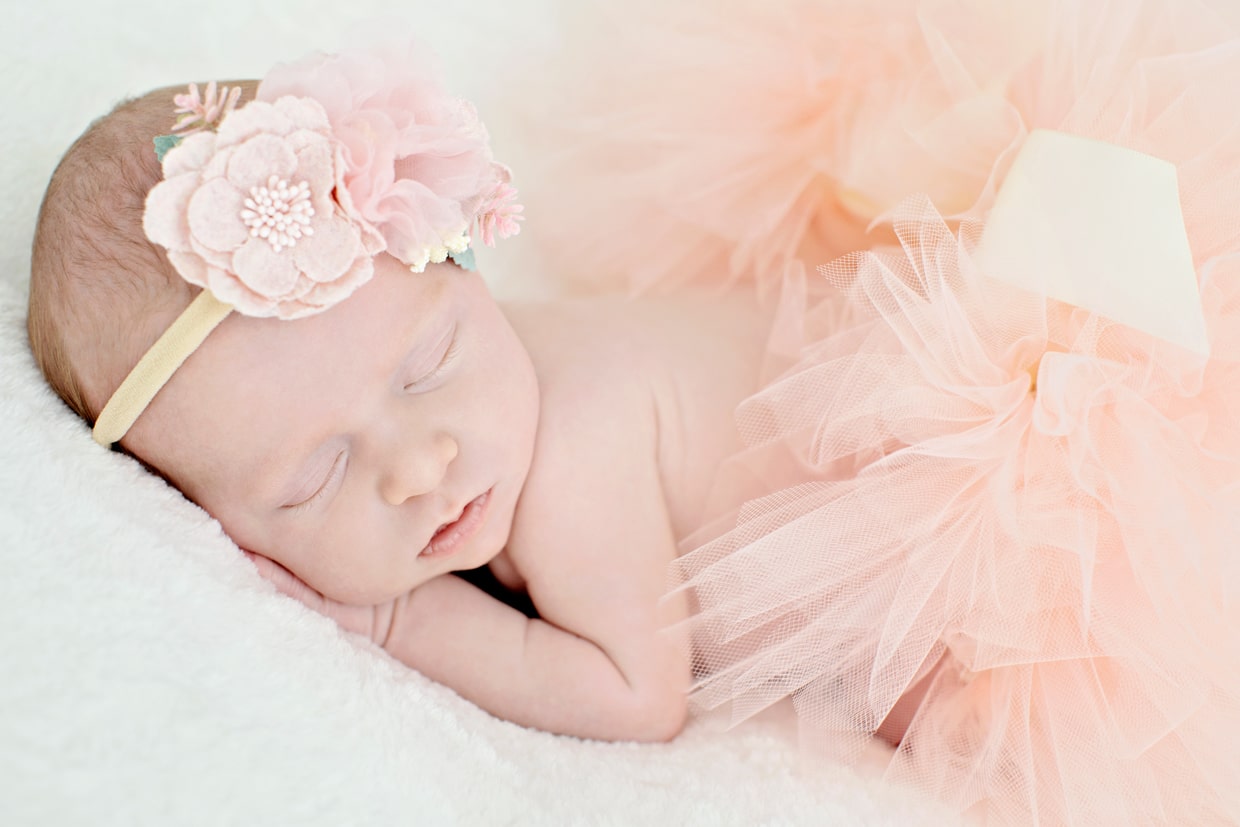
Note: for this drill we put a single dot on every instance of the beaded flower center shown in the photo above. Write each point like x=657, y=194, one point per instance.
x=279, y=212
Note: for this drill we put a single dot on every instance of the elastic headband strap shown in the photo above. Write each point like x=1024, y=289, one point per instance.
x=156, y=367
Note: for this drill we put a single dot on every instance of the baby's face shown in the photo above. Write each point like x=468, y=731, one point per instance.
x=338, y=445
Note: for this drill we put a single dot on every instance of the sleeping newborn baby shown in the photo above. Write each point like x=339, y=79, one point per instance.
x=992, y=526
x=284, y=322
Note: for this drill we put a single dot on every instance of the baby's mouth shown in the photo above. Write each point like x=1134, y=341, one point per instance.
x=451, y=536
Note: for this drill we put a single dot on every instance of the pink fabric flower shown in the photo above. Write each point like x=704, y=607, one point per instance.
x=418, y=166
x=248, y=212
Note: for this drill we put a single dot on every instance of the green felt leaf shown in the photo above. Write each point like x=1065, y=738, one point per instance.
x=465, y=259
x=163, y=143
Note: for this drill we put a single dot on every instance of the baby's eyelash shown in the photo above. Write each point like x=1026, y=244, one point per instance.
x=448, y=356
x=337, y=469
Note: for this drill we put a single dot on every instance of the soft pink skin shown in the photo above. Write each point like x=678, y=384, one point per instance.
x=575, y=415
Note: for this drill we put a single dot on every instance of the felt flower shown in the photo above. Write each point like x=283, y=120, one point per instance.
x=249, y=212
x=417, y=163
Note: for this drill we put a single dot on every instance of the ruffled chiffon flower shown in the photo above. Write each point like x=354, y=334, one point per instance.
x=248, y=212
x=417, y=163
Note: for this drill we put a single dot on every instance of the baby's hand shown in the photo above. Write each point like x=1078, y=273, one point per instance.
x=373, y=622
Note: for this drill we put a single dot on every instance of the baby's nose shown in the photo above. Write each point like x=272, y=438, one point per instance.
x=419, y=470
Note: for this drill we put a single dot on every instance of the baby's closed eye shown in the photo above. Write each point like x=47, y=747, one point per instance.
x=320, y=484
x=422, y=372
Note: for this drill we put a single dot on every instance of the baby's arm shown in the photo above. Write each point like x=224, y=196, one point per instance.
x=527, y=670
x=521, y=669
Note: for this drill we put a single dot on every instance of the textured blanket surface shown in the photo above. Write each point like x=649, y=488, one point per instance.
x=147, y=675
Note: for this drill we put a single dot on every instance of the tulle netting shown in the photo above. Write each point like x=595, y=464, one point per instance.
x=699, y=143
x=1031, y=508
x=1017, y=516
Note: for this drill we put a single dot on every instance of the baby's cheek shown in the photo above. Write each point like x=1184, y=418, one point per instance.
x=352, y=559
x=282, y=542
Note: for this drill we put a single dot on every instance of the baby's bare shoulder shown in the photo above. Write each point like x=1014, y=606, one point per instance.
x=591, y=538
x=637, y=400
x=608, y=349
x=574, y=342
x=597, y=426
x=598, y=373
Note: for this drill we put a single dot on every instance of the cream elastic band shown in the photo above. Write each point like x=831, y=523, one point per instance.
x=155, y=368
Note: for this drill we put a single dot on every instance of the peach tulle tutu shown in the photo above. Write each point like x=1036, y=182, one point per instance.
x=1021, y=515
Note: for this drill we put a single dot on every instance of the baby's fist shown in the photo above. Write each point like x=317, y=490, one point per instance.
x=370, y=621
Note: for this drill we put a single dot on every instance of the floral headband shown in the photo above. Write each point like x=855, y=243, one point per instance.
x=277, y=208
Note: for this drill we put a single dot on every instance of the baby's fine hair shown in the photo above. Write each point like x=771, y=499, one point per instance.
x=100, y=292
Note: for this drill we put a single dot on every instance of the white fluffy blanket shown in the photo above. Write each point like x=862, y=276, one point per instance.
x=147, y=675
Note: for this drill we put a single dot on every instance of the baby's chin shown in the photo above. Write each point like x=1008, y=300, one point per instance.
x=377, y=593
x=364, y=594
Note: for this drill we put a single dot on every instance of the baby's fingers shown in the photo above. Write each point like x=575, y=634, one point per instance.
x=361, y=620
x=285, y=581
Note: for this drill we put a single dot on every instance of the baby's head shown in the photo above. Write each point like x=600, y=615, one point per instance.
x=333, y=409
x=100, y=291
